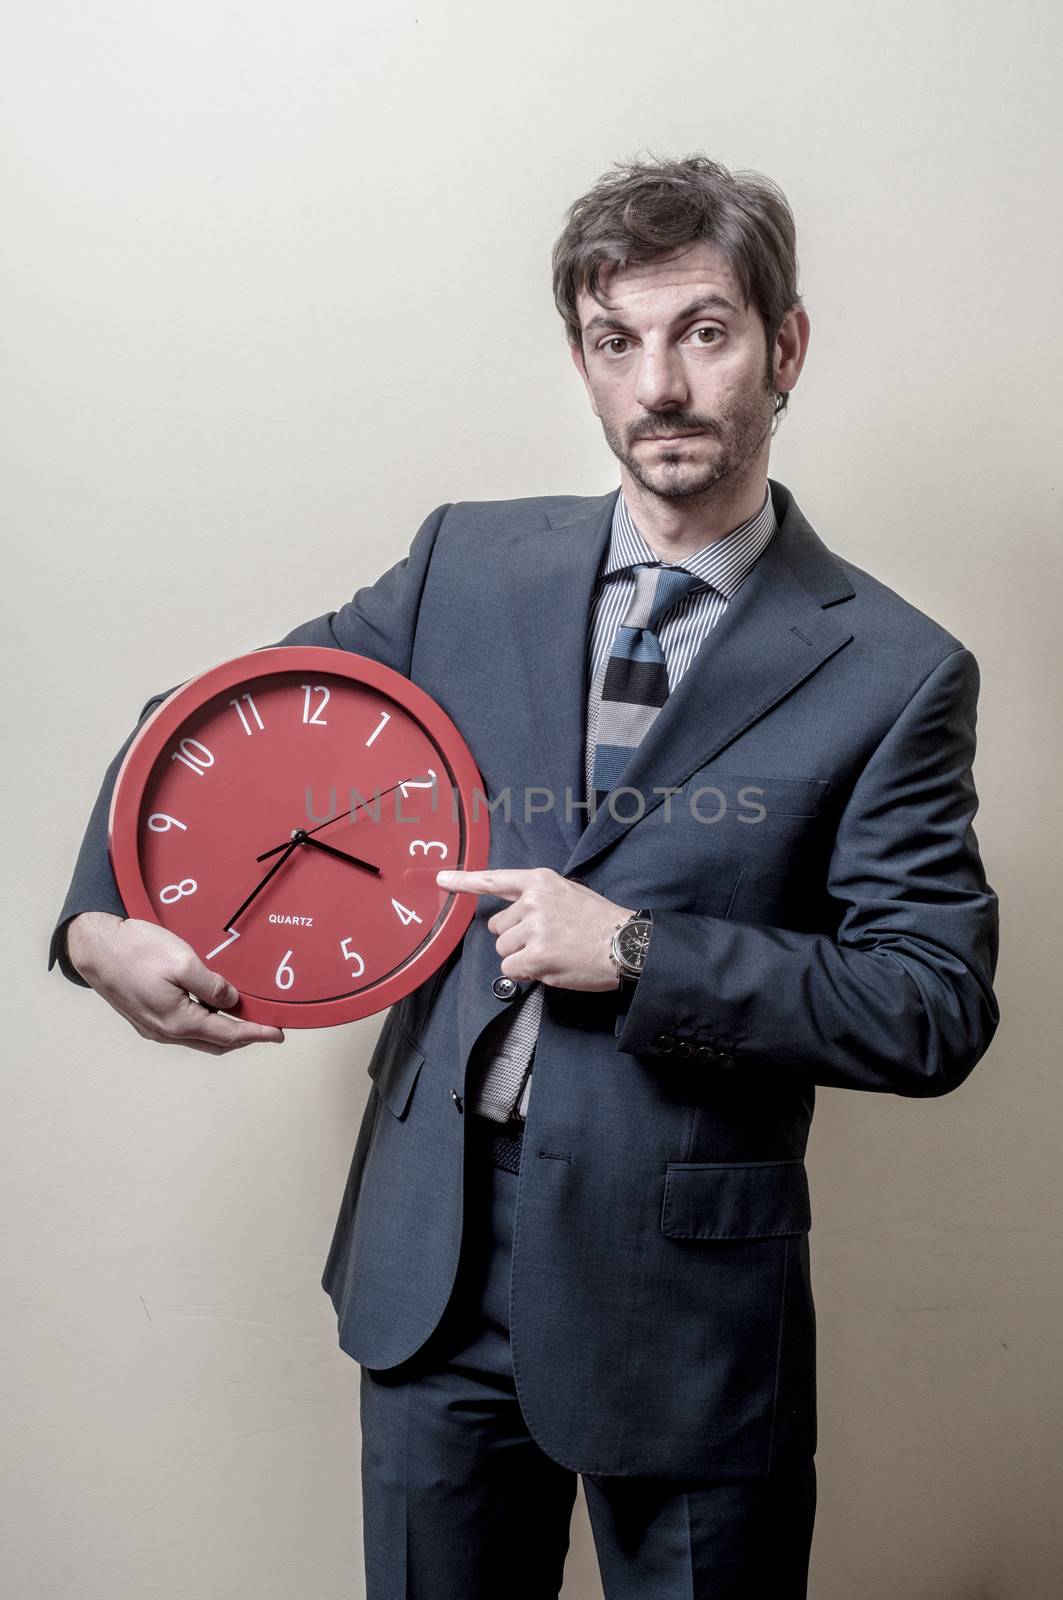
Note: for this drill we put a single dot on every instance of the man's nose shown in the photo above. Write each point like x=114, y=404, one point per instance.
x=661, y=380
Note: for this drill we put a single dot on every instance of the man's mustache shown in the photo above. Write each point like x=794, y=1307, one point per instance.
x=665, y=427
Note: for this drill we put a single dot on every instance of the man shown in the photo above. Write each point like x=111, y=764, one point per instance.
x=574, y=1238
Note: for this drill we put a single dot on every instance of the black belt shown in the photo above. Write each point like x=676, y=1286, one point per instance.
x=500, y=1142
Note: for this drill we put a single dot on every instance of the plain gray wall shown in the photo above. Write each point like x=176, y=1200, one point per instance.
x=276, y=283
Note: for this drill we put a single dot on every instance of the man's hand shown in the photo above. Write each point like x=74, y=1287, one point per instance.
x=149, y=976
x=555, y=931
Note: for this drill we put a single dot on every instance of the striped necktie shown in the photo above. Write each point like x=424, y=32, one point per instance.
x=635, y=678
x=635, y=682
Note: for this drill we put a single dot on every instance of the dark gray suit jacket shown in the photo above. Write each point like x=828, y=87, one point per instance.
x=833, y=925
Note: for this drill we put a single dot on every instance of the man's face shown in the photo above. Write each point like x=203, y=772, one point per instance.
x=678, y=353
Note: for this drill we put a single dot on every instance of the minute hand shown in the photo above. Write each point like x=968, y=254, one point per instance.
x=259, y=887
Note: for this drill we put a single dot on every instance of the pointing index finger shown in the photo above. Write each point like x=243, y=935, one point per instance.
x=507, y=883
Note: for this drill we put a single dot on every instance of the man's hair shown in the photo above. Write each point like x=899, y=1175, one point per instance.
x=641, y=210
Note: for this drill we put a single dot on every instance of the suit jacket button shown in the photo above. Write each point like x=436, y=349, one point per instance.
x=664, y=1042
x=725, y=1060
x=705, y=1053
x=456, y=1097
x=504, y=988
x=684, y=1048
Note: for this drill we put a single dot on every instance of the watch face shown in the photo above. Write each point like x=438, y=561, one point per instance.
x=286, y=815
x=633, y=941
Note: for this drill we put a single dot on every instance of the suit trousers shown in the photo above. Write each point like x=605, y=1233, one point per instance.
x=461, y=1503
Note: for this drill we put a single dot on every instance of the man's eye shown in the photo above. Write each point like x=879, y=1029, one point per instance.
x=714, y=331
x=617, y=338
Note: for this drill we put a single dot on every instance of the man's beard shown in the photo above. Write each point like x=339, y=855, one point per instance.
x=673, y=476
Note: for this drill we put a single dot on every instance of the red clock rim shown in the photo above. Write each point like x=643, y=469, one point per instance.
x=164, y=722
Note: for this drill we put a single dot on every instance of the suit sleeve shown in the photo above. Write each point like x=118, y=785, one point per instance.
x=380, y=622
x=900, y=998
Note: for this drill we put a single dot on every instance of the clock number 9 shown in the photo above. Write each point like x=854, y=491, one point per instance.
x=159, y=822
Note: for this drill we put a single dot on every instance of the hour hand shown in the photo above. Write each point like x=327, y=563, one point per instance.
x=330, y=849
x=301, y=836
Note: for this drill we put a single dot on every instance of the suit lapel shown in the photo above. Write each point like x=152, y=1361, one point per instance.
x=776, y=632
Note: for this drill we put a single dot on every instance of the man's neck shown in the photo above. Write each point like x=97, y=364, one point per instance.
x=677, y=528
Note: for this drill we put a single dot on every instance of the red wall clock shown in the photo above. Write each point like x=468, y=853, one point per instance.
x=286, y=813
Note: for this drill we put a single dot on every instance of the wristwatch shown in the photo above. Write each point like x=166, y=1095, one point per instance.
x=629, y=947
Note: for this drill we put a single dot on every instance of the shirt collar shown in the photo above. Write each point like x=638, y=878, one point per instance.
x=723, y=564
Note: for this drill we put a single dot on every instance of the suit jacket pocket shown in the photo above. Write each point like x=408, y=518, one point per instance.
x=394, y=1065
x=751, y=799
x=735, y=1199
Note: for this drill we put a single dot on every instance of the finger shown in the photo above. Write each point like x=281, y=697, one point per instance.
x=520, y=966
x=202, y=1046
x=208, y=986
x=505, y=919
x=506, y=882
x=217, y=992
x=156, y=1031
x=255, y=1031
x=511, y=942
x=188, y=1020
x=197, y=1044
x=217, y=1028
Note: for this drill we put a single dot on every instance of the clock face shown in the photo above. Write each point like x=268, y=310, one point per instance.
x=286, y=814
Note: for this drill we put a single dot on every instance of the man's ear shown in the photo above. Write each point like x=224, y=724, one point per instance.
x=576, y=352
x=791, y=347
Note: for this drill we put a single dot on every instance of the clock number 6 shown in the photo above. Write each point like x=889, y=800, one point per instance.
x=285, y=975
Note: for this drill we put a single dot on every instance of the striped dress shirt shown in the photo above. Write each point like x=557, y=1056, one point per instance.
x=507, y=1045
